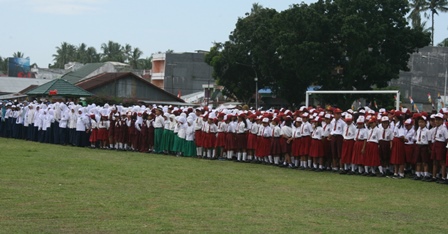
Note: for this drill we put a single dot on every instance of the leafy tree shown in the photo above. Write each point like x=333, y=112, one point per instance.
x=417, y=8
x=91, y=55
x=336, y=44
x=444, y=43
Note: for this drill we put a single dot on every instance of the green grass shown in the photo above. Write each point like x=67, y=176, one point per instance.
x=55, y=189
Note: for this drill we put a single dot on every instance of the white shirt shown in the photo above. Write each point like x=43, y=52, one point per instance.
x=374, y=135
x=306, y=129
x=361, y=134
x=337, y=126
x=440, y=134
x=421, y=136
x=287, y=131
x=317, y=133
x=409, y=135
x=349, y=132
x=159, y=122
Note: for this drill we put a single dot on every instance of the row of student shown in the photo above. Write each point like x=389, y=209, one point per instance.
x=312, y=138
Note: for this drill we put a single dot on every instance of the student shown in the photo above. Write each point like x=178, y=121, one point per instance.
x=209, y=132
x=385, y=143
x=397, y=151
x=221, y=137
x=118, y=132
x=326, y=130
x=158, y=130
x=167, y=135
x=103, y=131
x=276, y=148
x=336, y=139
x=241, y=138
x=93, y=131
x=409, y=132
x=317, y=147
x=296, y=141
x=359, y=147
x=286, y=134
x=182, y=134
x=190, y=146
x=252, y=137
x=230, y=137
x=264, y=146
x=371, y=154
x=421, y=150
x=305, y=131
x=438, y=153
x=348, y=134
x=198, y=122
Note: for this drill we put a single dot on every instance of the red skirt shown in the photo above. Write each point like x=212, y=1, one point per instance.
x=372, y=155
x=286, y=147
x=230, y=141
x=305, y=146
x=151, y=136
x=251, y=141
x=94, y=136
x=264, y=147
x=111, y=130
x=276, y=148
x=221, y=139
x=209, y=140
x=103, y=134
x=347, y=151
x=295, y=148
x=241, y=141
x=421, y=153
x=198, y=138
x=357, y=155
x=438, y=151
x=316, y=148
x=397, y=152
x=409, y=153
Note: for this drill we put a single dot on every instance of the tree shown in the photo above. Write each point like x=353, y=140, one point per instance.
x=64, y=54
x=436, y=6
x=91, y=55
x=18, y=54
x=3, y=65
x=444, y=43
x=338, y=44
x=134, y=58
x=112, y=51
x=417, y=8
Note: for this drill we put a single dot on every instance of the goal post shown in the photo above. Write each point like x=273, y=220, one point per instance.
x=396, y=92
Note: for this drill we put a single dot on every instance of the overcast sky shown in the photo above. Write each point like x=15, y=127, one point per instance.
x=36, y=27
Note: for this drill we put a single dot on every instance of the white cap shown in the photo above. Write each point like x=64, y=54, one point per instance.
x=361, y=119
x=439, y=115
x=384, y=119
x=265, y=120
x=348, y=116
x=298, y=119
x=328, y=116
x=408, y=121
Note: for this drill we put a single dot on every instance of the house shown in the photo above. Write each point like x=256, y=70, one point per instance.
x=181, y=73
x=59, y=89
x=126, y=85
x=93, y=69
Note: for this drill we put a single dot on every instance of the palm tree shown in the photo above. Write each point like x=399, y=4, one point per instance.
x=112, y=51
x=417, y=7
x=64, y=54
x=18, y=54
x=134, y=59
x=92, y=55
x=436, y=6
x=81, y=53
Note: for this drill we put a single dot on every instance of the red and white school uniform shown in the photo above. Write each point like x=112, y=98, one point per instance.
x=305, y=131
x=276, y=148
x=317, y=147
x=439, y=143
x=198, y=124
x=348, y=143
x=93, y=131
x=231, y=136
x=264, y=146
x=397, y=152
x=103, y=127
x=241, y=136
x=360, y=140
x=286, y=131
x=252, y=136
x=326, y=130
x=221, y=138
x=209, y=132
x=421, y=147
x=372, y=155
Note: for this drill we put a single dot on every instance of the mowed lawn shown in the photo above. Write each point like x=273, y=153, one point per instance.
x=55, y=189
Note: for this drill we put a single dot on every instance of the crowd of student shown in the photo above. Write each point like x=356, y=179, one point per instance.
x=362, y=142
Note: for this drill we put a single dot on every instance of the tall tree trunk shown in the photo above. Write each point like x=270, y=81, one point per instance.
x=432, y=29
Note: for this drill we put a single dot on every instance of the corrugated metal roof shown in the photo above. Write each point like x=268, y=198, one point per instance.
x=75, y=76
x=15, y=84
x=64, y=88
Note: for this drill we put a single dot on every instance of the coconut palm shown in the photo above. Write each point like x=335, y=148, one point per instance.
x=112, y=51
x=444, y=43
x=436, y=6
x=64, y=54
x=18, y=54
x=134, y=58
x=417, y=7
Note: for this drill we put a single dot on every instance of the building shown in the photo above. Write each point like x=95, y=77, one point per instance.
x=427, y=75
x=93, y=69
x=181, y=73
x=126, y=85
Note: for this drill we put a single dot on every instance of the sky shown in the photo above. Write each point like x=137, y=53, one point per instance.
x=37, y=27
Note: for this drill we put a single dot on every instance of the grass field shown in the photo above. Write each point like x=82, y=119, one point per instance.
x=55, y=189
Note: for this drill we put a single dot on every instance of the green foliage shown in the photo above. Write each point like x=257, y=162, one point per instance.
x=339, y=45
x=111, y=51
x=443, y=43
